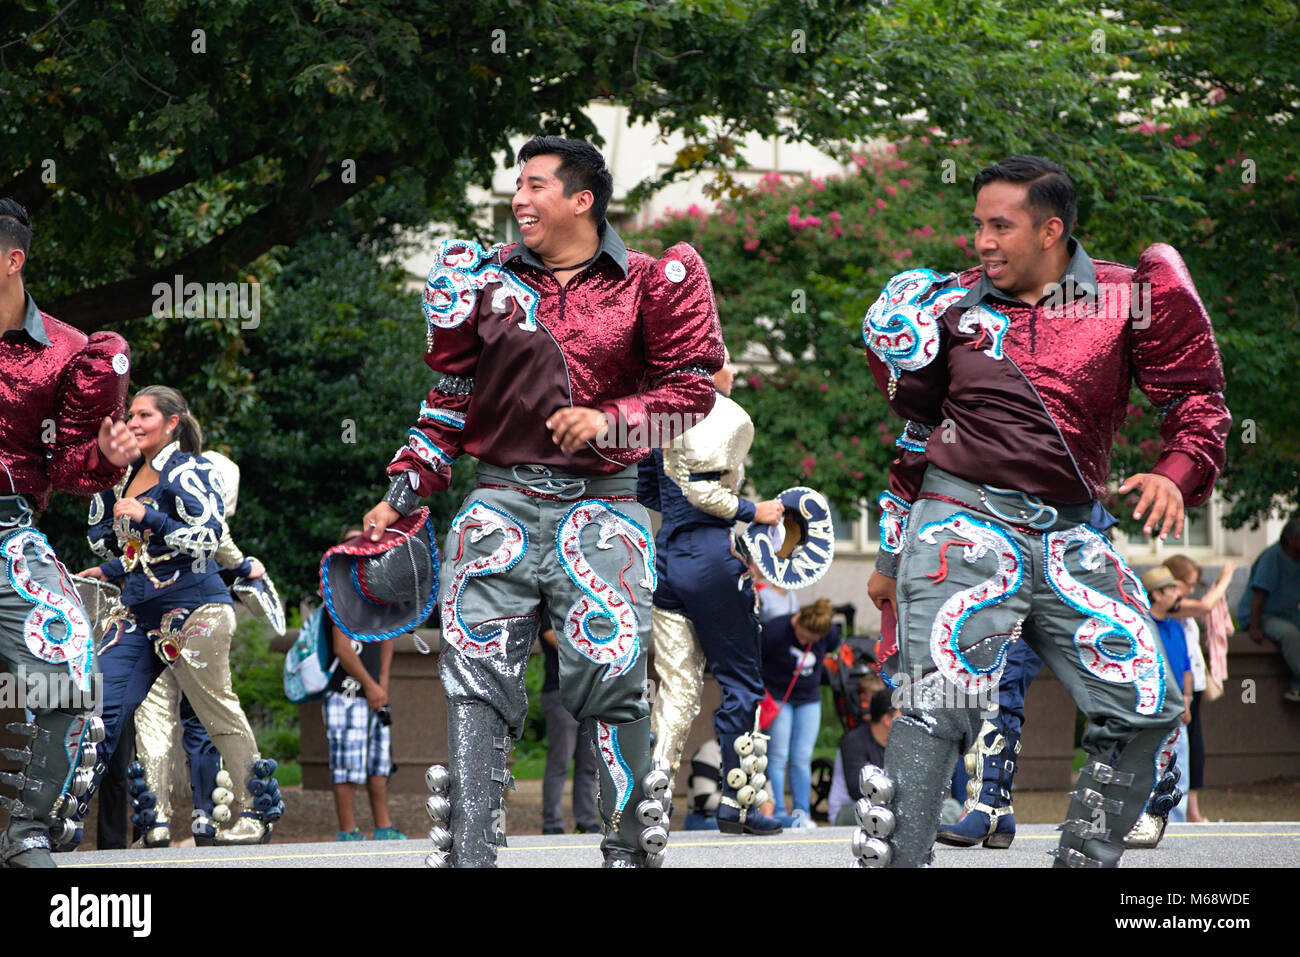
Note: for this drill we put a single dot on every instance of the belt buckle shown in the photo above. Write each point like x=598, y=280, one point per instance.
x=1044, y=516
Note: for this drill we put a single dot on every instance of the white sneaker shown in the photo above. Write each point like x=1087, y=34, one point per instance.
x=802, y=820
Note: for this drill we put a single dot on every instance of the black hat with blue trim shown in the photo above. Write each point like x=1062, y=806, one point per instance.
x=379, y=590
x=798, y=552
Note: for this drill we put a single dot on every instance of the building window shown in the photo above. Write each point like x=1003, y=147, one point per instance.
x=1196, y=530
x=504, y=227
x=843, y=528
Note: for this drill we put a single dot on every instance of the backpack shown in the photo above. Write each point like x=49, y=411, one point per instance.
x=310, y=663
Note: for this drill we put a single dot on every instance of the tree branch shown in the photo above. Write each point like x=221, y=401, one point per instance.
x=280, y=223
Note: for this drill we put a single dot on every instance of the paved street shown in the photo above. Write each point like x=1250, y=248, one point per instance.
x=1248, y=844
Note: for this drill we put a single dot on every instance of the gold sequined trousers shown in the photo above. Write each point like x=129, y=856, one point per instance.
x=679, y=662
x=202, y=674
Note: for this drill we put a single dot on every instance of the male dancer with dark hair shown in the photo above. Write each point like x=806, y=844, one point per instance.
x=564, y=358
x=60, y=394
x=1015, y=377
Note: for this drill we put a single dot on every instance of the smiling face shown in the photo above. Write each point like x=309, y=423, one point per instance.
x=550, y=222
x=147, y=424
x=1019, y=257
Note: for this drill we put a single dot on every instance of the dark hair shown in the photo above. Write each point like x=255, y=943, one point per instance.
x=1050, y=191
x=15, y=228
x=1291, y=530
x=169, y=403
x=882, y=702
x=581, y=167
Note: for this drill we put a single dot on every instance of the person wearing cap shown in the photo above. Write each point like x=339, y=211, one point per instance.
x=1164, y=592
x=1014, y=378
x=61, y=401
x=704, y=605
x=563, y=359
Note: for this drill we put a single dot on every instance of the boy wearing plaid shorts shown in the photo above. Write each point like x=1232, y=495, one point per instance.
x=359, y=745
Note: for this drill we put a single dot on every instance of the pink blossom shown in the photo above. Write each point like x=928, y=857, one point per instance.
x=1146, y=128
x=890, y=191
x=749, y=245
x=838, y=456
x=808, y=464
x=962, y=240
x=880, y=204
x=836, y=232
x=755, y=381
x=1216, y=96
x=822, y=387
x=925, y=231
x=857, y=475
x=835, y=217
x=854, y=440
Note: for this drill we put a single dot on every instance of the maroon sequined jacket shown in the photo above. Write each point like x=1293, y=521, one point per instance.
x=1030, y=397
x=631, y=336
x=56, y=386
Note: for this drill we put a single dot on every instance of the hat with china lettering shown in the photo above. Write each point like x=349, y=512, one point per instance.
x=796, y=553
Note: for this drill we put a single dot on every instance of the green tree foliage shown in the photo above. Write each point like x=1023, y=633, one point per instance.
x=156, y=138
x=336, y=364
x=1178, y=127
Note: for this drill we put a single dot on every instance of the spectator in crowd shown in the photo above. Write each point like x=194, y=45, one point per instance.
x=355, y=707
x=1163, y=589
x=864, y=745
x=566, y=740
x=793, y=648
x=1270, y=608
x=1188, y=610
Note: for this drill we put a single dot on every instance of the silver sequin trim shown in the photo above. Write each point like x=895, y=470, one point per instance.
x=455, y=385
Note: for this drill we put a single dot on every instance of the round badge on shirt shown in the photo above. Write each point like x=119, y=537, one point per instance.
x=674, y=271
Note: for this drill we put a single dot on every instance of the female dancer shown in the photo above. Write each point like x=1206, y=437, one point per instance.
x=160, y=530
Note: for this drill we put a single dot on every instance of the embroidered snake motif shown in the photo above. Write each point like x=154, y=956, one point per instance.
x=902, y=326
x=612, y=757
x=992, y=326
x=477, y=522
x=76, y=647
x=601, y=599
x=460, y=272
x=977, y=539
x=1106, y=618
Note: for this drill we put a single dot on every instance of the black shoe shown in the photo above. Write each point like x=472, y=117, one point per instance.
x=729, y=822
x=589, y=829
x=554, y=830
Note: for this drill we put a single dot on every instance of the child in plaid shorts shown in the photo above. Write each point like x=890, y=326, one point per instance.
x=360, y=752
